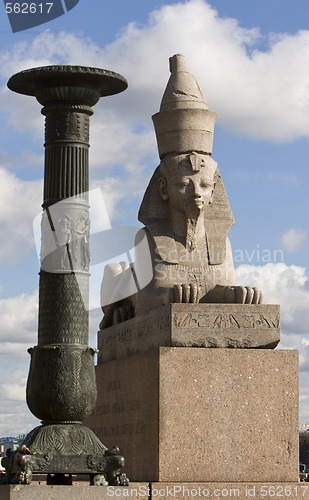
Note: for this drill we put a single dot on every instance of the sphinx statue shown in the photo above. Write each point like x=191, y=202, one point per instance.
x=186, y=216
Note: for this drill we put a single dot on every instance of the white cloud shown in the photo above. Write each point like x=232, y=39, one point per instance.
x=250, y=89
x=47, y=48
x=18, y=322
x=292, y=239
x=14, y=389
x=284, y=285
x=289, y=287
x=15, y=417
x=18, y=332
x=19, y=203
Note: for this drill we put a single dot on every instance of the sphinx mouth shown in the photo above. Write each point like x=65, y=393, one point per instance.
x=199, y=203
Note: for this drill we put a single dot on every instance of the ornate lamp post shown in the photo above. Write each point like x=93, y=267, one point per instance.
x=61, y=388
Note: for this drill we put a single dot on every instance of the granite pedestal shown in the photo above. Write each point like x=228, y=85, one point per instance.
x=202, y=415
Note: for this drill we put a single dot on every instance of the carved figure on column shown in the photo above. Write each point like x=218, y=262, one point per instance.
x=186, y=215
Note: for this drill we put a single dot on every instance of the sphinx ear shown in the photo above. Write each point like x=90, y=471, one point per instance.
x=162, y=187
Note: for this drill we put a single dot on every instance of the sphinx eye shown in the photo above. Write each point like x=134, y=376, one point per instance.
x=183, y=183
x=205, y=185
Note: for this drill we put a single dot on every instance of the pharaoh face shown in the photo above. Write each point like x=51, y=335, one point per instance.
x=187, y=188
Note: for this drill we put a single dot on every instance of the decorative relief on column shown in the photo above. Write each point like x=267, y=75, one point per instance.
x=67, y=125
x=76, y=234
x=65, y=237
x=61, y=384
x=63, y=314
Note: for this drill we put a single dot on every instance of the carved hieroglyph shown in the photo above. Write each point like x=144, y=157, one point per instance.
x=193, y=325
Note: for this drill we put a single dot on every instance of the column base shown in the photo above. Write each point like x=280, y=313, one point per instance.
x=61, y=450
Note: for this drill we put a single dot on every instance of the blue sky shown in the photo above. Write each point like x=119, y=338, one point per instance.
x=251, y=61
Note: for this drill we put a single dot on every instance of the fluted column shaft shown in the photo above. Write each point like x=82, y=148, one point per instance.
x=66, y=152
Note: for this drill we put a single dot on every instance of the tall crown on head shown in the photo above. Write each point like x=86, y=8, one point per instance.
x=184, y=122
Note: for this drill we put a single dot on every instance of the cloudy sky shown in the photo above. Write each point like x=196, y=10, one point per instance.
x=251, y=59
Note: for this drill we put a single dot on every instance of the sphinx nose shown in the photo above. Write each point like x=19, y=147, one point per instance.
x=197, y=191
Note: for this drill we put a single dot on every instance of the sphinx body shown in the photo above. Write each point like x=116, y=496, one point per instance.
x=190, y=256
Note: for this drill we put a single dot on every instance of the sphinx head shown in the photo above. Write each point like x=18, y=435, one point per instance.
x=186, y=182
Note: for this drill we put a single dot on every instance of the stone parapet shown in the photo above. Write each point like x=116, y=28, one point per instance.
x=145, y=491
x=78, y=491
x=241, y=491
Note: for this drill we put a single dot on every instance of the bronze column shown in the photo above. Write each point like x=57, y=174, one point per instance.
x=61, y=388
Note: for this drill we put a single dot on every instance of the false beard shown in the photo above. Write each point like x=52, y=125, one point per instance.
x=191, y=235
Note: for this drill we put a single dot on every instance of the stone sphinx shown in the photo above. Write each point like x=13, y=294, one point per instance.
x=186, y=214
x=192, y=373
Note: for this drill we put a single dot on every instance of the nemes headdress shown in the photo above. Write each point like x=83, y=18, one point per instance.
x=185, y=125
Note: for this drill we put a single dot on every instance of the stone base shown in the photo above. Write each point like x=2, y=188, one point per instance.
x=193, y=325
x=145, y=491
x=76, y=492
x=188, y=414
x=241, y=491
x=62, y=450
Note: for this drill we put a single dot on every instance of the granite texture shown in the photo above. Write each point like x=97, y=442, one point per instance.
x=242, y=491
x=188, y=414
x=193, y=325
x=145, y=491
x=76, y=492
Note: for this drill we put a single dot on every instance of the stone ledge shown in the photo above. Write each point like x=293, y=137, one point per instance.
x=145, y=491
x=193, y=325
x=242, y=491
x=76, y=492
